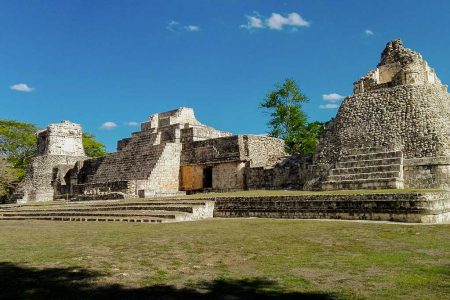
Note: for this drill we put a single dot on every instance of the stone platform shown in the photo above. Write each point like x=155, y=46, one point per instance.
x=426, y=207
x=410, y=207
x=149, y=211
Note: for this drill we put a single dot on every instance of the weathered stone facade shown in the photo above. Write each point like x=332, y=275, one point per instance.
x=60, y=147
x=400, y=106
x=289, y=173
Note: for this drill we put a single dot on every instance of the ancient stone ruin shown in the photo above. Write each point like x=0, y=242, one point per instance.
x=393, y=132
x=59, y=148
x=173, y=153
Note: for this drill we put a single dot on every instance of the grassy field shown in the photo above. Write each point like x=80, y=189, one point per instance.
x=224, y=259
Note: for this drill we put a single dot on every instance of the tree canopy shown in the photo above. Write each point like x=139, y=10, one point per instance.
x=17, y=143
x=288, y=120
x=8, y=179
x=92, y=147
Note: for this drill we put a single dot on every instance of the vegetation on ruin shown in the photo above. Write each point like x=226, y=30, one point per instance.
x=224, y=259
x=288, y=121
x=18, y=147
x=92, y=147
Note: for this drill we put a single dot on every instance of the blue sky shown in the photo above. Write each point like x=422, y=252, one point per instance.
x=94, y=62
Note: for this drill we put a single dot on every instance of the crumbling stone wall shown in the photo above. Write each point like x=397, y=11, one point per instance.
x=229, y=177
x=289, y=172
x=258, y=150
x=212, y=151
x=230, y=158
x=427, y=172
x=64, y=138
x=398, y=66
x=263, y=150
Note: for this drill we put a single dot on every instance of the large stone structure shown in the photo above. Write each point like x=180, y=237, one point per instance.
x=173, y=153
x=393, y=132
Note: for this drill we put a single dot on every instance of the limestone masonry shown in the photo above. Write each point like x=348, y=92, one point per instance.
x=393, y=132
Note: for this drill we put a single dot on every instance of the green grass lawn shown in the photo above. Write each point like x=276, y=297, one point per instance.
x=225, y=259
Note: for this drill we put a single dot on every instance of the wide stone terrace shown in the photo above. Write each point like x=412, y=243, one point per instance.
x=411, y=206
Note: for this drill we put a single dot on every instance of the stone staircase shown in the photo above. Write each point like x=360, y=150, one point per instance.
x=145, y=211
x=367, y=168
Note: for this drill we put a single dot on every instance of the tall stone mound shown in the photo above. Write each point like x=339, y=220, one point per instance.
x=399, y=106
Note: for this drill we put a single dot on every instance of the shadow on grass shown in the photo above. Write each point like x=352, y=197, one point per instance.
x=18, y=282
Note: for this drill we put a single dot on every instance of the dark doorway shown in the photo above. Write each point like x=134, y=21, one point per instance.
x=207, y=177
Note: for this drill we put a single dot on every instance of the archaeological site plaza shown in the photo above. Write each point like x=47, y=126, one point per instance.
x=392, y=135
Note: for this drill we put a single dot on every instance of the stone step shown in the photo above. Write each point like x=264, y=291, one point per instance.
x=359, y=176
x=90, y=218
x=366, y=169
x=105, y=204
x=187, y=209
x=371, y=156
x=170, y=209
x=154, y=214
x=148, y=202
x=379, y=183
x=372, y=162
x=365, y=150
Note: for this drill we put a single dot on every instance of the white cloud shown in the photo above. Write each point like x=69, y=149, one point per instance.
x=21, y=87
x=333, y=97
x=329, y=106
x=369, y=32
x=108, y=125
x=132, y=123
x=175, y=26
x=253, y=22
x=172, y=25
x=277, y=21
x=192, y=28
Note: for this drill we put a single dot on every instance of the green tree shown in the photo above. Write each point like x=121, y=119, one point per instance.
x=17, y=144
x=311, y=137
x=92, y=147
x=8, y=179
x=288, y=120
